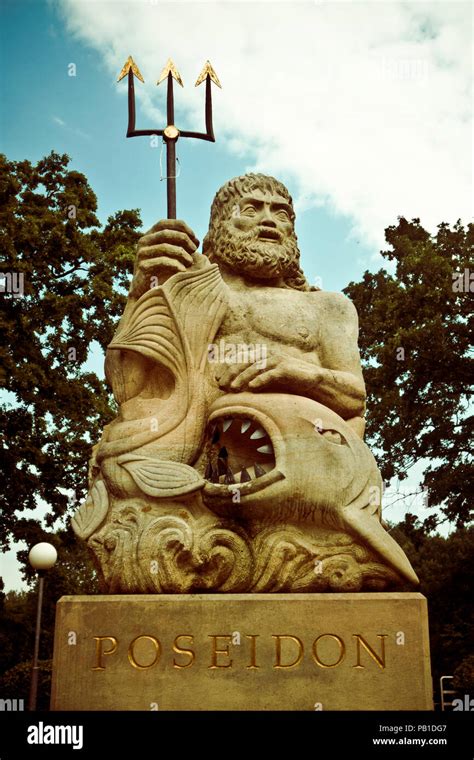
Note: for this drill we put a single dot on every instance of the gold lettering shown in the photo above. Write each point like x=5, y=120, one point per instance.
x=342, y=651
x=131, y=652
x=379, y=660
x=180, y=650
x=216, y=651
x=253, y=651
x=99, y=652
x=295, y=663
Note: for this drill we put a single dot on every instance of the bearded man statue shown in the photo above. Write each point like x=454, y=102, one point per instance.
x=237, y=461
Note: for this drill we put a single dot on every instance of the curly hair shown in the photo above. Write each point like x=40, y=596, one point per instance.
x=226, y=199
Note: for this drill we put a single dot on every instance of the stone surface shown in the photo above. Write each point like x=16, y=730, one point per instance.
x=362, y=651
x=237, y=461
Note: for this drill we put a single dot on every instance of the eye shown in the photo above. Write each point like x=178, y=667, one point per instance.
x=248, y=211
x=282, y=215
x=333, y=437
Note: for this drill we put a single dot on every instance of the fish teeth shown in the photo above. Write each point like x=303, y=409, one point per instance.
x=229, y=477
x=245, y=426
x=244, y=476
x=258, y=433
x=223, y=474
x=226, y=425
x=267, y=449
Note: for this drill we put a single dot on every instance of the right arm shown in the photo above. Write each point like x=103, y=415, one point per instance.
x=167, y=248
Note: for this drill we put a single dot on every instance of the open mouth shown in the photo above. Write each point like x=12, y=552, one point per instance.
x=238, y=450
x=269, y=235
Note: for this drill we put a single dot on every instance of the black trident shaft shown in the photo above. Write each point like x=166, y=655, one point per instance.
x=170, y=152
x=170, y=133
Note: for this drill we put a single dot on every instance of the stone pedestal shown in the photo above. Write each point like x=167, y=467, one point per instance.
x=365, y=651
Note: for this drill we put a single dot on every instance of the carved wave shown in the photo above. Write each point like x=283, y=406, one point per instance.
x=138, y=552
x=171, y=554
x=90, y=515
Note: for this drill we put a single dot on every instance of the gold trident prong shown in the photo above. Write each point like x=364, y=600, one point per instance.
x=170, y=68
x=207, y=70
x=130, y=64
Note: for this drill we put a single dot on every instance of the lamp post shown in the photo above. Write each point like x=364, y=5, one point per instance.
x=41, y=557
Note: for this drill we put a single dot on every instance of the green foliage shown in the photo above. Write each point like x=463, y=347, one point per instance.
x=74, y=278
x=445, y=567
x=463, y=679
x=416, y=331
x=17, y=619
x=15, y=683
x=74, y=574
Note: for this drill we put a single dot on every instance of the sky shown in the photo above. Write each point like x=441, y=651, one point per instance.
x=363, y=109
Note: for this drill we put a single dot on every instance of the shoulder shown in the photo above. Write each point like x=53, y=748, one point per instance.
x=335, y=305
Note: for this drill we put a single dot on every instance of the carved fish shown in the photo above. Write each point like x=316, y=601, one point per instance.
x=321, y=475
x=172, y=325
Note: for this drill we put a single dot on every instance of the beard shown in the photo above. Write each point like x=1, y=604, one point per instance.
x=246, y=252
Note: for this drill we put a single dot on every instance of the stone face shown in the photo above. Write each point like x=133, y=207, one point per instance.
x=237, y=461
x=242, y=652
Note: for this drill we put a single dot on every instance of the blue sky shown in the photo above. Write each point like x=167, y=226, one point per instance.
x=363, y=109
x=85, y=116
x=372, y=123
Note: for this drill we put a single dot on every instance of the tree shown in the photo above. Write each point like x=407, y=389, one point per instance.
x=74, y=574
x=463, y=679
x=415, y=335
x=64, y=284
x=445, y=567
x=16, y=682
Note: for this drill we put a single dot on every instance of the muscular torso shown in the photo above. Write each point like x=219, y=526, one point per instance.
x=282, y=320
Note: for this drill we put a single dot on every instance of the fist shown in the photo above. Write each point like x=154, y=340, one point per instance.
x=164, y=250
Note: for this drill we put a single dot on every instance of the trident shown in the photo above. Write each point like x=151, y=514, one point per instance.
x=170, y=133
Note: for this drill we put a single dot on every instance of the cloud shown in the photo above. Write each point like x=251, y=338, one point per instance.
x=73, y=130
x=363, y=108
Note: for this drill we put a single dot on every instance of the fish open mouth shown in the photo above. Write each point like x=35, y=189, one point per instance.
x=238, y=450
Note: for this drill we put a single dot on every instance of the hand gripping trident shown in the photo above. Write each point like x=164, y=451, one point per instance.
x=170, y=133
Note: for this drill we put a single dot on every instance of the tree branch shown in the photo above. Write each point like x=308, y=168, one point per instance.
x=64, y=274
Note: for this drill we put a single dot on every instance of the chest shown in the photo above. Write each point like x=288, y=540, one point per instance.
x=282, y=316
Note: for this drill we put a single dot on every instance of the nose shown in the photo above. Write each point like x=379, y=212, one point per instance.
x=267, y=218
